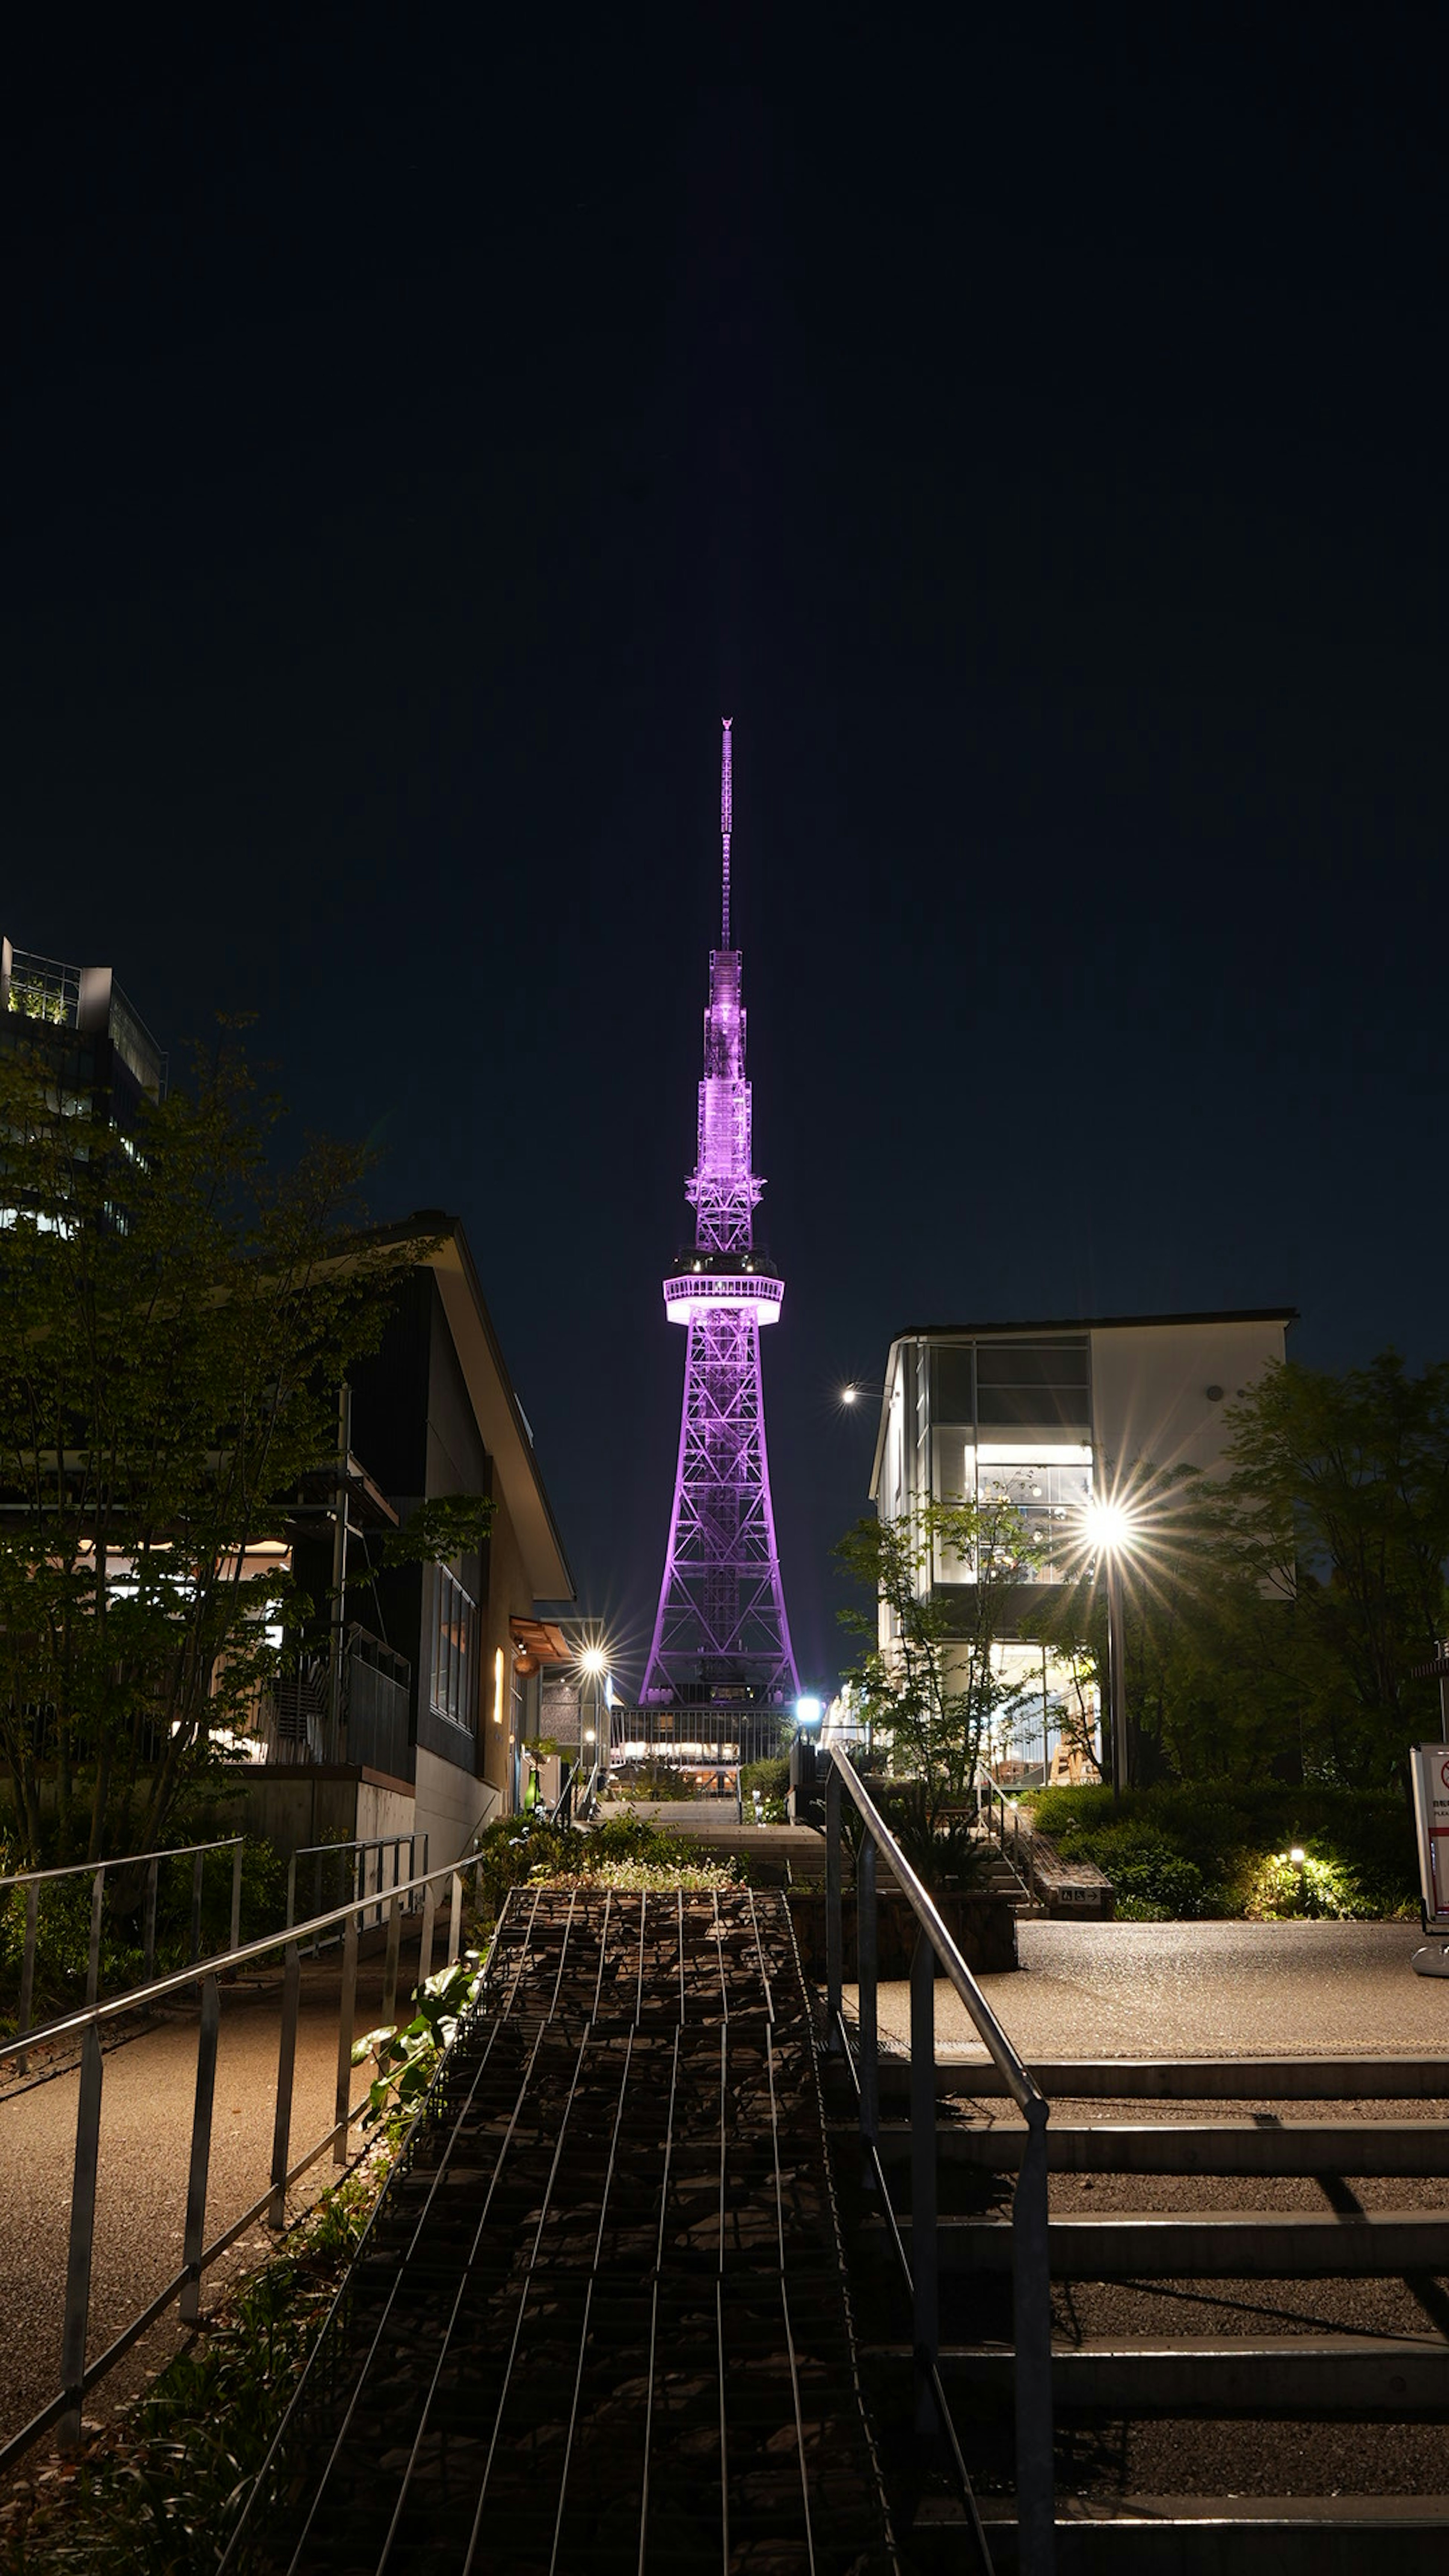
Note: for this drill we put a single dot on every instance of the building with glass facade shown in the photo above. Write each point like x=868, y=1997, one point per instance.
x=1052, y=1415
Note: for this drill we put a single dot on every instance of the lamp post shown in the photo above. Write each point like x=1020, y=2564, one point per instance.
x=593, y=1665
x=1110, y=1528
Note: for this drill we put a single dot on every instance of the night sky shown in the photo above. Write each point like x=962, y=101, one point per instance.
x=1033, y=435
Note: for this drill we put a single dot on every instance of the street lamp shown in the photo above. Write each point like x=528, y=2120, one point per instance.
x=593, y=1666
x=1110, y=1530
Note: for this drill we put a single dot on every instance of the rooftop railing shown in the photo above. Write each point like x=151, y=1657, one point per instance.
x=1031, y=2274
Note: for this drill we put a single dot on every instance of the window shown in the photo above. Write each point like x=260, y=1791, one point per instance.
x=453, y=1691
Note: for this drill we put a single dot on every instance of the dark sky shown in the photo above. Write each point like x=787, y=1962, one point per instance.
x=1034, y=435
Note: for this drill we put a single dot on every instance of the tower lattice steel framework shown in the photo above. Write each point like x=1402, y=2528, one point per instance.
x=721, y=1630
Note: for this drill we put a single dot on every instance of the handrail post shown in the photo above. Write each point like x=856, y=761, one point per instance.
x=925, y=2284
x=455, y=1917
x=867, y=1973
x=389, y=1974
x=1032, y=2294
x=236, y=1875
x=82, y=2236
x=347, y=2014
x=286, y=2065
x=149, y=1919
x=27, y=1966
x=425, y=1946
x=93, y=1955
x=291, y=1914
x=834, y=1944
x=195, y=2237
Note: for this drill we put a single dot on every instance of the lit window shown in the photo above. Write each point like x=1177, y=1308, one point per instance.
x=455, y=1647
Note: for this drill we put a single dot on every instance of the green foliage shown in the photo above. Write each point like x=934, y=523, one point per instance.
x=1281, y=1889
x=443, y=1527
x=1338, y=1504
x=935, y=1692
x=1225, y=1837
x=64, y=1926
x=407, y=2059
x=942, y=1849
x=160, y=2493
x=657, y=1783
x=770, y=1777
x=660, y=1878
x=519, y=1850
x=175, y=1319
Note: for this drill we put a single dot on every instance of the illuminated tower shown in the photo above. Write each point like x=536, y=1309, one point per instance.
x=721, y=1631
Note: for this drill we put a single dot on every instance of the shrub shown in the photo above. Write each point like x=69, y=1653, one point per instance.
x=518, y=1851
x=1229, y=1832
x=771, y=1777
x=1280, y=1889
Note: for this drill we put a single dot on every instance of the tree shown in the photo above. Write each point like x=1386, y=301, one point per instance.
x=175, y=1319
x=932, y=1683
x=1337, y=1509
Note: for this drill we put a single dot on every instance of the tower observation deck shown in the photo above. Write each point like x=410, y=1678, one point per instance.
x=721, y=1632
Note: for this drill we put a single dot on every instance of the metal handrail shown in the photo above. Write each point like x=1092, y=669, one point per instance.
x=32, y=1880
x=78, y=2375
x=118, y=1860
x=322, y=1852
x=1031, y=2266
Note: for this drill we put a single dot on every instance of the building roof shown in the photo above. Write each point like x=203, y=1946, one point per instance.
x=500, y=1417
x=1103, y=1323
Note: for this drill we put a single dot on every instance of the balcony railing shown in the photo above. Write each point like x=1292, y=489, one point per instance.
x=293, y=1722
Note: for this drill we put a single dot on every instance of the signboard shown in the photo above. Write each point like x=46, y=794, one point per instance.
x=1431, y=1815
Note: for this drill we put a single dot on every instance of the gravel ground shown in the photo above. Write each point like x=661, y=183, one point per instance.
x=146, y=2112
x=1140, y=1990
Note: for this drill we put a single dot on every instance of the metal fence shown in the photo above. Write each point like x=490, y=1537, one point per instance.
x=1031, y=2272
x=35, y=1880
x=78, y=2375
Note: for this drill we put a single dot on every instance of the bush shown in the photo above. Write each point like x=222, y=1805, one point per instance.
x=657, y=1783
x=1314, y=1889
x=517, y=1851
x=64, y=1925
x=771, y=1777
x=1360, y=1845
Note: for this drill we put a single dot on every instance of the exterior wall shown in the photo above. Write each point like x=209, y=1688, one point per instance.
x=1150, y=1386
x=451, y=1805
x=298, y=1809
x=509, y=1596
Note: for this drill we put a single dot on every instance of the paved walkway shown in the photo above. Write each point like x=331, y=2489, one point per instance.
x=1201, y=1990
x=147, y=2099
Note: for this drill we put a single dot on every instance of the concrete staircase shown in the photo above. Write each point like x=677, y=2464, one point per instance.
x=1192, y=2224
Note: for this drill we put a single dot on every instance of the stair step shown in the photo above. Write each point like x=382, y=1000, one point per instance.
x=1203, y=2244
x=1267, y=2375
x=1192, y=2079
x=1357, y=2147
x=1211, y=2536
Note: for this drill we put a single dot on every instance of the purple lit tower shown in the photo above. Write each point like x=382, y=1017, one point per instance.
x=721, y=1632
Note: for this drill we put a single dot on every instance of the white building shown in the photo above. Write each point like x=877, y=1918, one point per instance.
x=1054, y=1414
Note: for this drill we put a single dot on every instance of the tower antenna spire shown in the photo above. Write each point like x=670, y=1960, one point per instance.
x=726, y=811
